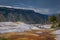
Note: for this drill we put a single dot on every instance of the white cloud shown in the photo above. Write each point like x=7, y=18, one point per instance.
x=40, y=10
x=5, y=6
x=43, y=10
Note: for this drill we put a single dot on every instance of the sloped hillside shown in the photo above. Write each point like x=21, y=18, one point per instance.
x=27, y=16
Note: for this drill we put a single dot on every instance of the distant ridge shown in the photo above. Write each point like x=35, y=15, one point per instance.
x=8, y=13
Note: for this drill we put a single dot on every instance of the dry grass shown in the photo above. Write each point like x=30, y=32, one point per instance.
x=30, y=35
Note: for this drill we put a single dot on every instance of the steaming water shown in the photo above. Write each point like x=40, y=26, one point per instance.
x=15, y=27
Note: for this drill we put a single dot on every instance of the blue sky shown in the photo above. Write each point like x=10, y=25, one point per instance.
x=41, y=6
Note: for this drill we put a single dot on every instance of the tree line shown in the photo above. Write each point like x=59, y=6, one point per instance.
x=55, y=21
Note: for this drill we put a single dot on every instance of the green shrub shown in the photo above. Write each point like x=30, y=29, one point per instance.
x=58, y=25
x=3, y=38
x=52, y=26
x=0, y=38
